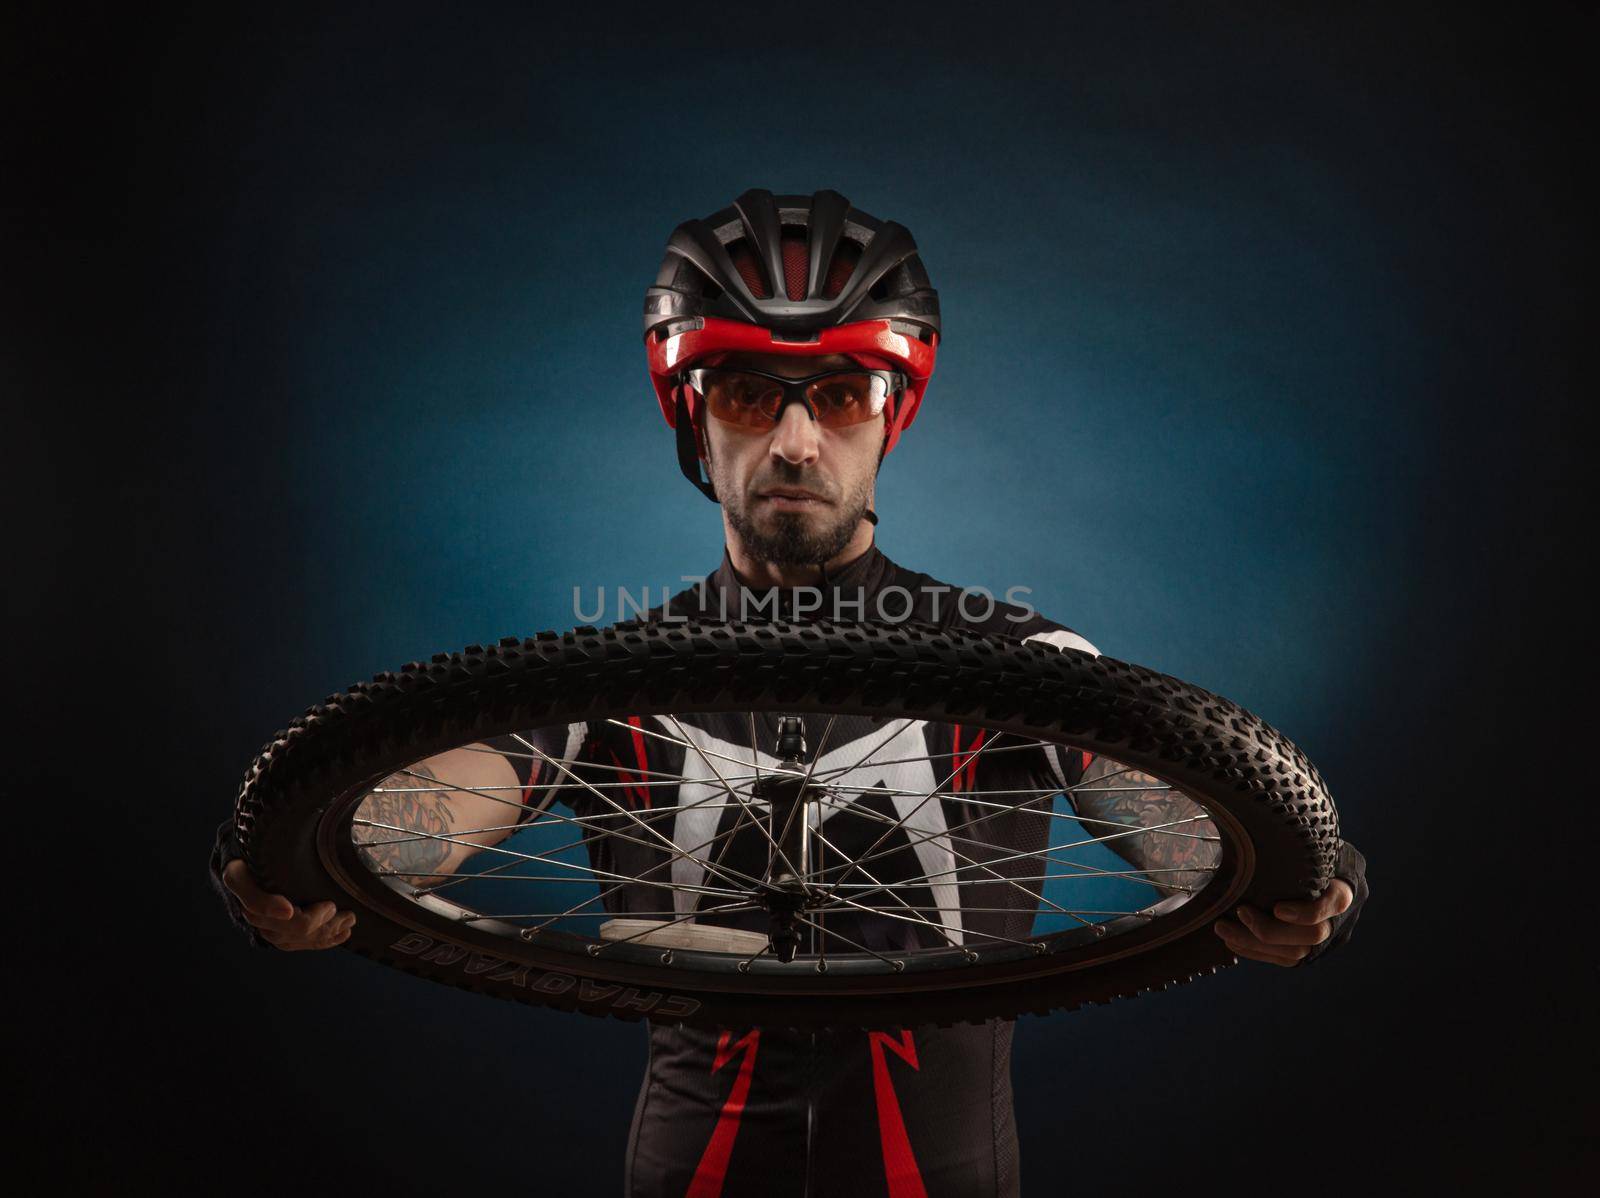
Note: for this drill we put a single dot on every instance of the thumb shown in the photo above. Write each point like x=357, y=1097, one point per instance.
x=236, y=876
x=1296, y=912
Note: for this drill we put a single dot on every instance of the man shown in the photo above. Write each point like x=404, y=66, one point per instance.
x=790, y=340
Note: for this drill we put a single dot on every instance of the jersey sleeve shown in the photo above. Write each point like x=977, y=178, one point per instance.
x=1064, y=765
x=542, y=758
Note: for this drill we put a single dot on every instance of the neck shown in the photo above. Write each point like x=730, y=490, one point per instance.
x=771, y=574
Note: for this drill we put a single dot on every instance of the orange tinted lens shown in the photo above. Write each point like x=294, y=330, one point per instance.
x=746, y=399
x=845, y=399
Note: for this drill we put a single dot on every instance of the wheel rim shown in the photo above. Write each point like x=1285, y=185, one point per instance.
x=839, y=884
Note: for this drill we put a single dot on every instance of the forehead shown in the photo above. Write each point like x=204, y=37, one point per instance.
x=795, y=366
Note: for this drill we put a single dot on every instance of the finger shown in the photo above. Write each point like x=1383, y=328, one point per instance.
x=1243, y=944
x=1275, y=931
x=339, y=924
x=1335, y=900
x=269, y=921
x=236, y=876
x=318, y=914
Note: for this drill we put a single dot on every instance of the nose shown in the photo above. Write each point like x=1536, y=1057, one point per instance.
x=795, y=438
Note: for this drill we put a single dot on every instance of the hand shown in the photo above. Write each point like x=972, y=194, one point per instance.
x=1293, y=929
x=320, y=925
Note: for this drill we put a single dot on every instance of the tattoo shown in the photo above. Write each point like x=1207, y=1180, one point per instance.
x=418, y=859
x=1180, y=847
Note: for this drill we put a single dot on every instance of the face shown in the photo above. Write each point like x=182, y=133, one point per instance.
x=795, y=493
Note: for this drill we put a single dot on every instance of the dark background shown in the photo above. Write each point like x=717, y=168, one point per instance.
x=1262, y=368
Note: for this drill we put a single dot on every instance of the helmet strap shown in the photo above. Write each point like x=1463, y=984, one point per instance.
x=689, y=450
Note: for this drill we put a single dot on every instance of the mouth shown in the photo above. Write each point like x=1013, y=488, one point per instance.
x=791, y=499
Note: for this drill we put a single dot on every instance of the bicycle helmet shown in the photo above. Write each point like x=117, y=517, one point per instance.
x=804, y=275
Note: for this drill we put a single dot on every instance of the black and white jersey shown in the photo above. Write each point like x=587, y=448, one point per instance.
x=895, y=1111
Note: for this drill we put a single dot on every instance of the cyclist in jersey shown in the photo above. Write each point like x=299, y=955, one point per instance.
x=790, y=340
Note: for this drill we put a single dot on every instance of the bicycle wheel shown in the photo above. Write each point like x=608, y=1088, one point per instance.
x=840, y=864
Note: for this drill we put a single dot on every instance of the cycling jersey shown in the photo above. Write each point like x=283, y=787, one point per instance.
x=890, y=1112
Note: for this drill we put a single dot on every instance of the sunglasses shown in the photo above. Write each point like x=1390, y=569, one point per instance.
x=836, y=399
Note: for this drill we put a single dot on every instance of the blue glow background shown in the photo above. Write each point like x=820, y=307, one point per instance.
x=1260, y=364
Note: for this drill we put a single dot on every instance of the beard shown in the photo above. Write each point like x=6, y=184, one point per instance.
x=795, y=538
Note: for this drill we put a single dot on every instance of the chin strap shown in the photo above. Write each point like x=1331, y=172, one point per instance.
x=689, y=451
x=870, y=515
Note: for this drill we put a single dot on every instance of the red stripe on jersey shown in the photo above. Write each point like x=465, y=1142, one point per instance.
x=638, y=751
x=712, y=1171
x=965, y=774
x=899, y=1162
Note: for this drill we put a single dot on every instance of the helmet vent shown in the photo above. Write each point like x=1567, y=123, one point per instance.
x=896, y=282
x=841, y=268
x=749, y=269
x=794, y=263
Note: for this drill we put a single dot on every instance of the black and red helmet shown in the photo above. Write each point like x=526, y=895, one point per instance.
x=804, y=275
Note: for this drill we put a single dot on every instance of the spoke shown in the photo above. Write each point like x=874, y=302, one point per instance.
x=411, y=790
x=816, y=754
x=582, y=821
x=954, y=852
x=1041, y=855
x=1033, y=744
x=1080, y=789
x=547, y=915
x=923, y=802
x=540, y=810
x=578, y=821
x=918, y=884
x=686, y=743
x=732, y=794
x=738, y=823
x=537, y=755
x=744, y=966
x=483, y=877
x=798, y=807
x=1023, y=808
x=1014, y=911
x=964, y=928
x=870, y=753
x=639, y=878
x=1077, y=819
x=898, y=966
x=1022, y=790
x=1127, y=830
x=941, y=927
x=494, y=848
x=671, y=846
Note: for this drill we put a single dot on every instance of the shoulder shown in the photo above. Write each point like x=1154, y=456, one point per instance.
x=978, y=610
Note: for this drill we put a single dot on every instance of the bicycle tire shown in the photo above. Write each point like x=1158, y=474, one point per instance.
x=1254, y=782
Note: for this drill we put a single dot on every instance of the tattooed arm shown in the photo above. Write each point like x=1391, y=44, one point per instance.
x=416, y=808
x=1186, y=846
x=1181, y=847
x=420, y=824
